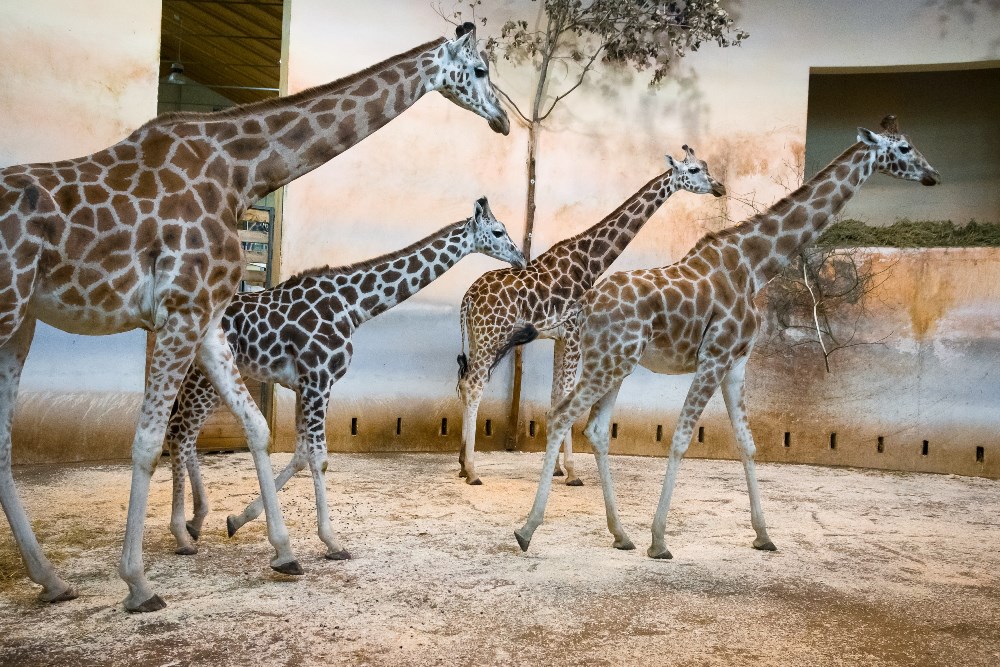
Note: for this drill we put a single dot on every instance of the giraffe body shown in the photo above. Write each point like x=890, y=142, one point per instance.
x=541, y=295
x=142, y=235
x=298, y=334
x=698, y=316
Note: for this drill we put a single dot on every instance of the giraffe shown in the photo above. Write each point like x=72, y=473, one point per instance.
x=500, y=301
x=143, y=235
x=699, y=316
x=298, y=334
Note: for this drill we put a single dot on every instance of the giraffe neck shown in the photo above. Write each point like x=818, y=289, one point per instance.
x=771, y=240
x=384, y=282
x=279, y=140
x=592, y=251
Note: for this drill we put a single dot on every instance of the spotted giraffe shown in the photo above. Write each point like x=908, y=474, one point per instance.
x=143, y=235
x=502, y=300
x=699, y=316
x=298, y=334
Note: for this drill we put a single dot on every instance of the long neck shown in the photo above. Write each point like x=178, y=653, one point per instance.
x=772, y=239
x=593, y=250
x=384, y=282
x=279, y=140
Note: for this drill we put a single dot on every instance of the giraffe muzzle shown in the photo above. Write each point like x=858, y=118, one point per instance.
x=500, y=123
x=719, y=190
x=930, y=177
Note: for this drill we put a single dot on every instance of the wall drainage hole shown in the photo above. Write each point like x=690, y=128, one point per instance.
x=980, y=454
x=833, y=441
x=444, y=426
x=399, y=425
x=923, y=448
x=354, y=425
x=531, y=428
x=788, y=439
x=488, y=428
x=701, y=434
x=880, y=444
x=614, y=430
x=659, y=432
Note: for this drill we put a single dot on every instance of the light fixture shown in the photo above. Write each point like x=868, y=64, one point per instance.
x=176, y=75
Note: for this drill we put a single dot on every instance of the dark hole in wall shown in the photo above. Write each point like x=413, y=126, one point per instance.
x=833, y=441
x=659, y=432
x=924, y=448
x=399, y=425
x=980, y=454
x=488, y=428
x=444, y=426
x=354, y=425
x=880, y=444
x=531, y=428
x=614, y=430
x=701, y=434
x=788, y=439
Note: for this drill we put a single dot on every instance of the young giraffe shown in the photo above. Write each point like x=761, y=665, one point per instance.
x=699, y=316
x=298, y=334
x=502, y=300
x=143, y=234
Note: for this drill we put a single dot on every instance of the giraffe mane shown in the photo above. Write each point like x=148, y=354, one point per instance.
x=264, y=106
x=369, y=264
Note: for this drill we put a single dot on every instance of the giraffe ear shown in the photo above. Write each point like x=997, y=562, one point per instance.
x=671, y=162
x=867, y=136
x=465, y=29
x=482, y=209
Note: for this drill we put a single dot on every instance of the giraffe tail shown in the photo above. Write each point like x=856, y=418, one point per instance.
x=463, y=360
x=520, y=336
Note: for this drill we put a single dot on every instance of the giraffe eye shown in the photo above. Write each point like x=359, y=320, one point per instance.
x=694, y=170
x=480, y=72
x=904, y=149
x=498, y=233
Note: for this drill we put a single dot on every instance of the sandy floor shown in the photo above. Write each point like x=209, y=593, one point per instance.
x=872, y=569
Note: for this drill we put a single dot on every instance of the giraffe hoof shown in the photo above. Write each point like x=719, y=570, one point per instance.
x=576, y=481
x=231, y=526
x=766, y=545
x=69, y=593
x=558, y=473
x=665, y=554
x=474, y=482
x=522, y=540
x=462, y=473
x=623, y=544
x=154, y=603
x=193, y=531
x=186, y=550
x=292, y=567
x=343, y=554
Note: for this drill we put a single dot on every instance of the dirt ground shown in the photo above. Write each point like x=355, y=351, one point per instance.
x=873, y=568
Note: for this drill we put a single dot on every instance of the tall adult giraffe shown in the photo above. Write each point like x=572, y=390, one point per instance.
x=699, y=316
x=143, y=235
x=500, y=301
x=298, y=334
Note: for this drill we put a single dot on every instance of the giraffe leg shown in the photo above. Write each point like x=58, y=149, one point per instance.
x=563, y=380
x=470, y=388
x=216, y=360
x=176, y=342
x=732, y=392
x=598, y=431
x=314, y=403
x=13, y=352
x=706, y=381
x=596, y=381
x=299, y=461
x=195, y=402
x=558, y=353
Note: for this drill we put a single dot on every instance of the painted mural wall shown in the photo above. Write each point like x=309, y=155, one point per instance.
x=76, y=77
x=744, y=110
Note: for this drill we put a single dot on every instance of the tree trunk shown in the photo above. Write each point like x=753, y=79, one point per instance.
x=513, y=418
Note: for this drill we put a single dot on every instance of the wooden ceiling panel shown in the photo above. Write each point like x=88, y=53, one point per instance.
x=231, y=46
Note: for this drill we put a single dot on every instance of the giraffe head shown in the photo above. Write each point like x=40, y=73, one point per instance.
x=896, y=156
x=490, y=237
x=691, y=174
x=464, y=78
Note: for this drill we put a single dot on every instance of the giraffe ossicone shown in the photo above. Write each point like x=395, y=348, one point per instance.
x=501, y=301
x=699, y=316
x=143, y=235
x=298, y=334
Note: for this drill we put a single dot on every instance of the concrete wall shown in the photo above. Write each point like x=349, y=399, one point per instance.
x=76, y=77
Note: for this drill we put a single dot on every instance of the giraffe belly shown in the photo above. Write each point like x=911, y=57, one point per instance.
x=660, y=356
x=83, y=319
